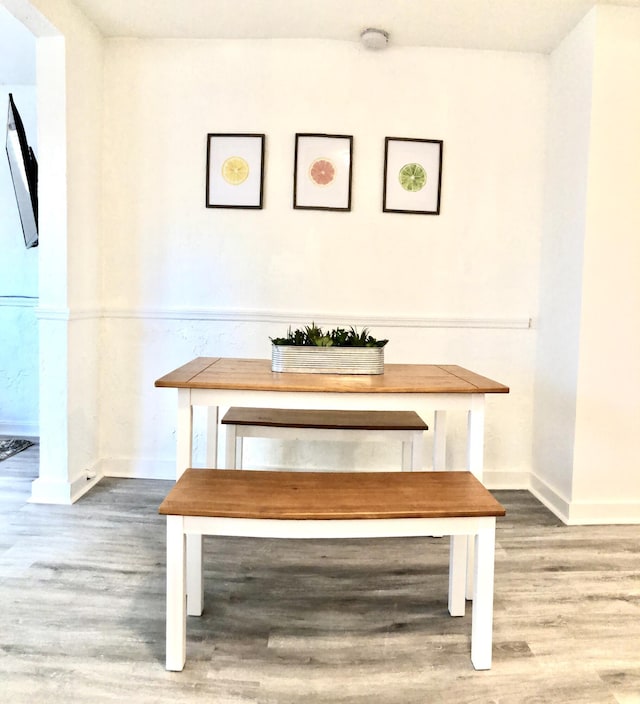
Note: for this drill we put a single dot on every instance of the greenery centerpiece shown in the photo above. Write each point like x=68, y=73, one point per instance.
x=312, y=350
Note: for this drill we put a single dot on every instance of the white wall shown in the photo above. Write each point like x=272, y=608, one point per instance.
x=18, y=266
x=608, y=413
x=18, y=288
x=588, y=380
x=181, y=280
x=17, y=52
x=69, y=85
x=139, y=277
x=569, y=120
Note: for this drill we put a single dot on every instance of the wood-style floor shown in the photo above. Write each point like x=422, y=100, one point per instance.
x=82, y=611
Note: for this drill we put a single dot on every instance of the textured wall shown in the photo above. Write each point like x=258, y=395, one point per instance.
x=18, y=289
x=181, y=280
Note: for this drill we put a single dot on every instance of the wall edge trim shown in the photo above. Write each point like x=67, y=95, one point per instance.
x=281, y=317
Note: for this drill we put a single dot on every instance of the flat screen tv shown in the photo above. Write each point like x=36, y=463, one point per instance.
x=24, y=174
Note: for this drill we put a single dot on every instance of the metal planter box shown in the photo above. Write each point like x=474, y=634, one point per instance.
x=327, y=360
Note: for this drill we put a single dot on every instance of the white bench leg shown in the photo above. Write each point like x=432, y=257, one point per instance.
x=176, y=648
x=416, y=448
x=407, y=456
x=457, y=574
x=440, y=441
x=231, y=438
x=482, y=612
x=239, y=452
x=212, y=436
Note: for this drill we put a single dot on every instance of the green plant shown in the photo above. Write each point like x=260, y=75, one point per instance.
x=314, y=336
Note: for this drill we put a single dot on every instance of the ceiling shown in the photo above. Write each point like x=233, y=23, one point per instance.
x=509, y=25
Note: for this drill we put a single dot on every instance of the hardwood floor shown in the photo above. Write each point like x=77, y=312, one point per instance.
x=82, y=610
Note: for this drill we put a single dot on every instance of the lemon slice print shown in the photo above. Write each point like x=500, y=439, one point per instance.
x=322, y=172
x=235, y=170
x=412, y=177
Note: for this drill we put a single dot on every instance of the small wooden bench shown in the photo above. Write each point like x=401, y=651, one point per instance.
x=263, y=504
x=288, y=424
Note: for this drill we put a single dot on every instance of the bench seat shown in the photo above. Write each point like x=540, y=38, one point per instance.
x=328, y=425
x=263, y=504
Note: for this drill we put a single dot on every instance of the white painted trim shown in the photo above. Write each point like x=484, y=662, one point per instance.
x=570, y=513
x=279, y=318
x=514, y=481
x=584, y=513
x=297, y=317
x=18, y=302
x=54, y=492
x=591, y=513
x=136, y=468
x=67, y=314
x=551, y=498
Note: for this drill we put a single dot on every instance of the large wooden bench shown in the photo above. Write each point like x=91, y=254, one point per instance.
x=327, y=425
x=261, y=504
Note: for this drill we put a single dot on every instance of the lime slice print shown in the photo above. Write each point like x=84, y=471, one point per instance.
x=322, y=172
x=235, y=170
x=412, y=177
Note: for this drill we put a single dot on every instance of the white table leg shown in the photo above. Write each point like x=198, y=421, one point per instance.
x=482, y=613
x=184, y=432
x=195, y=577
x=439, y=441
x=176, y=646
x=475, y=465
x=475, y=436
x=457, y=574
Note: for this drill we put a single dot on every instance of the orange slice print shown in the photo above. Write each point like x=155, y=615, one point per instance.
x=322, y=172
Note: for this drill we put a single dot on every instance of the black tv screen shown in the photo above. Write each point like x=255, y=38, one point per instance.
x=24, y=174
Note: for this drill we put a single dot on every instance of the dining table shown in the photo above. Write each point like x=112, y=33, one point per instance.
x=218, y=383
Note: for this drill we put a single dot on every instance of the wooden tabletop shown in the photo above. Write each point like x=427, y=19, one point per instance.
x=256, y=375
x=233, y=493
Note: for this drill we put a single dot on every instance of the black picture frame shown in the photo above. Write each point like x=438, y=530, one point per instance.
x=235, y=170
x=322, y=171
x=412, y=175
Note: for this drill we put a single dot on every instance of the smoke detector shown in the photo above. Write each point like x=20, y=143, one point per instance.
x=374, y=38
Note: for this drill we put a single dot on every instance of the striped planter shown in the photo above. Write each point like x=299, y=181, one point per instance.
x=327, y=360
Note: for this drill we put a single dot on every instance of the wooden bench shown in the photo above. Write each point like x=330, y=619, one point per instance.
x=287, y=424
x=261, y=504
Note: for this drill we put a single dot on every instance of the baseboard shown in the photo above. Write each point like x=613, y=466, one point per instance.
x=570, y=513
x=135, y=468
x=44, y=491
x=550, y=497
x=505, y=480
x=585, y=513
x=592, y=513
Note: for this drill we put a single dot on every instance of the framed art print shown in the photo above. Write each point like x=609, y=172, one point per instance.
x=412, y=175
x=235, y=170
x=322, y=172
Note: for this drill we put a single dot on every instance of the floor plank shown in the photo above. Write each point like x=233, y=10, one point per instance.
x=359, y=621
